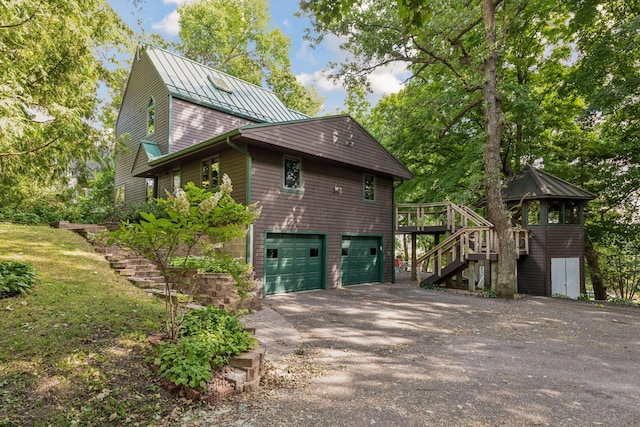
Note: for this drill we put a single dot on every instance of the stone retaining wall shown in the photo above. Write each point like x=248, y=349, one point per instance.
x=218, y=290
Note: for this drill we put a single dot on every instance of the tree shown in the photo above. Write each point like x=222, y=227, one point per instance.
x=234, y=37
x=55, y=55
x=460, y=39
x=196, y=218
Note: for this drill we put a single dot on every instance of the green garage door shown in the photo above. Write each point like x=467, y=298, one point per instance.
x=293, y=262
x=361, y=260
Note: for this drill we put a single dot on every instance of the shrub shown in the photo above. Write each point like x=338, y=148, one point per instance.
x=488, y=293
x=621, y=301
x=208, y=338
x=16, y=278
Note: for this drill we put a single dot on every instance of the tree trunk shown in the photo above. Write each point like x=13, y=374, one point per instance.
x=591, y=256
x=506, y=286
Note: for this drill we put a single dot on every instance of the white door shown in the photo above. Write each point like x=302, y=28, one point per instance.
x=565, y=276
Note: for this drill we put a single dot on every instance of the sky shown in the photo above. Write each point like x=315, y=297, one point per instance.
x=308, y=64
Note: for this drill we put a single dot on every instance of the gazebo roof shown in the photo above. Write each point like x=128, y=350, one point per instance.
x=532, y=183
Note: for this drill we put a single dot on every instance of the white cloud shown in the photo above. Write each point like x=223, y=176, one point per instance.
x=286, y=23
x=170, y=24
x=388, y=79
x=320, y=80
x=176, y=2
x=305, y=53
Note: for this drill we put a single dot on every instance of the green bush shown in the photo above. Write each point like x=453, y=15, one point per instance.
x=208, y=338
x=488, y=293
x=16, y=277
x=621, y=301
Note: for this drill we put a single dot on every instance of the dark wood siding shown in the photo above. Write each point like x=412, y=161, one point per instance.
x=234, y=164
x=339, y=139
x=143, y=83
x=532, y=267
x=320, y=208
x=192, y=123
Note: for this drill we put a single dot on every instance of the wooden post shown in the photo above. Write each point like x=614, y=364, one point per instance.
x=494, y=274
x=414, y=244
x=471, y=273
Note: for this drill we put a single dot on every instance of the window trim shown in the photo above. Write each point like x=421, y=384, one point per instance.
x=283, y=186
x=209, y=162
x=364, y=187
x=154, y=193
x=174, y=173
x=151, y=105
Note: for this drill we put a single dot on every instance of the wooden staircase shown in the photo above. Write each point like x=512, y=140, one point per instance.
x=470, y=238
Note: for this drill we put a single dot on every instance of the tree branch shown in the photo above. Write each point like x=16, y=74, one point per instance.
x=458, y=116
x=31, y=151
x=17, y=24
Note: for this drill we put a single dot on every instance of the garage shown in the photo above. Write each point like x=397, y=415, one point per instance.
x=293, y=262
x=361, y=260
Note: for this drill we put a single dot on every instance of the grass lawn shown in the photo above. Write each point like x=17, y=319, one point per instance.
x=73, y=351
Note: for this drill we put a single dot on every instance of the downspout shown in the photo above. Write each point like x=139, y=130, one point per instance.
x=393, y=234
x=248, y=251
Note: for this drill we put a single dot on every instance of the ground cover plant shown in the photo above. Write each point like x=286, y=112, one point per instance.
x=73, y=349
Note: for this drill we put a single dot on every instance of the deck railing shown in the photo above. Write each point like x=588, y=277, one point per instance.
x=420, y=216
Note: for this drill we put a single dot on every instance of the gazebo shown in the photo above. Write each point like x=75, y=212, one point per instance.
x=553, y=211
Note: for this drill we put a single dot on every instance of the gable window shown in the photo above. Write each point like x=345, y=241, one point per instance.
x=210, y=177
x=369, y=187
x=151, y=116
x=175, y=181
x=150, y=188
x=292, y=174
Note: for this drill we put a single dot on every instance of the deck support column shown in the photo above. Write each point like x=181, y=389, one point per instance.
x=414, y=245
x=494, y=274
x=471, y=273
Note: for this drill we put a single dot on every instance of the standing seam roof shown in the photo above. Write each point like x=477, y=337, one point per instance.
x=189, y=80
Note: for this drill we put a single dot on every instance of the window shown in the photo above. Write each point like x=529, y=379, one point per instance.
x=150, y=188
x=210, y=174
x=292, y=174
x=314, y=252
x=369, y=187
x=119, y=198
x=151, y=116
x=554, y=212
x=533, y=212
x=272, y=253
x=175, y=182
x=571, y=213
x=345, y=251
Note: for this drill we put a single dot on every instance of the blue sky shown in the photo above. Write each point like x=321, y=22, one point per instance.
x=309, y=65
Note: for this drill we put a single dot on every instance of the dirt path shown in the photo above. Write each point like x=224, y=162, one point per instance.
x=390, y=355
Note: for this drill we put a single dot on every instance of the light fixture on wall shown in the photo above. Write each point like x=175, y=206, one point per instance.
x=337, y=189
x=349, y=143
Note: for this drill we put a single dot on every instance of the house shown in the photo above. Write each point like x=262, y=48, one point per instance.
x=325, y=185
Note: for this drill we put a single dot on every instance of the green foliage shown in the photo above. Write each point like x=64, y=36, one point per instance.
x=488, y=293
x=621, y=301
x=584, y=297
x=234, y=37
x=561, y=296
x=208, y=337
x=193, y=218
x=49, y=90
x=16, y=277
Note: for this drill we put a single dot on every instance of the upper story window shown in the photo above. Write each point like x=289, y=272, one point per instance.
x=554, y=212
x=210, y=177
x=369, y=187
x=151, y=116
x=292, y=174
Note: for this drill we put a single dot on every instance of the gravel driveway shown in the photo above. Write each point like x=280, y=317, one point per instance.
x=398, y=355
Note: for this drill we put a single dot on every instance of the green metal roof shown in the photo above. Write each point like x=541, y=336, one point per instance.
x=151, y=149
x=533, y=183
x=204, y=85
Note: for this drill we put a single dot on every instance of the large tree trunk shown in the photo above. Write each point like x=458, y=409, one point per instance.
x=506, y=286
x=591, y=256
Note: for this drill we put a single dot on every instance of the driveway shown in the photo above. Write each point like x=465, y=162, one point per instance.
x=398, y=355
